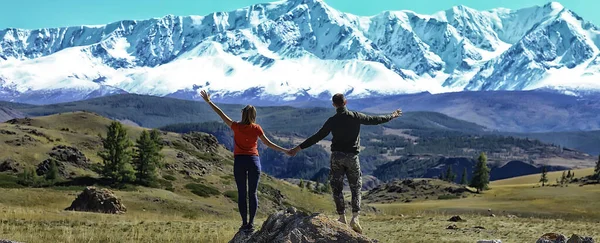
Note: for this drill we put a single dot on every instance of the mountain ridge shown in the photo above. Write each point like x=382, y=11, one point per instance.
x=265, y=50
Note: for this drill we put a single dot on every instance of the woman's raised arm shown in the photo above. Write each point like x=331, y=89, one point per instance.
x=219, y=112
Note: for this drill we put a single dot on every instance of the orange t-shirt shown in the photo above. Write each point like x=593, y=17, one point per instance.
x=245, y=138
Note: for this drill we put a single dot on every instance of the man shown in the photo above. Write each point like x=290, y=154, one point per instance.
x=345, y=128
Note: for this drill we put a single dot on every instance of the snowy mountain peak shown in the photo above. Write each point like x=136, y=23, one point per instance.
x=303, y=48
x=554, y=5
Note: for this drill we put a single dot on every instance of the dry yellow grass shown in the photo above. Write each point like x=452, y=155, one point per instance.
x=534, y=179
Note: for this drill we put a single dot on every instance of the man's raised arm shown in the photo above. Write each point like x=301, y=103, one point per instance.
x=376, y=120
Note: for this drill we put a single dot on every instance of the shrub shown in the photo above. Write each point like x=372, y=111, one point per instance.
x=233, y=195
x=170, y=177
x=202, y=190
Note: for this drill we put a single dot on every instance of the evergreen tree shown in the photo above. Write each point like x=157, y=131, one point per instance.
x=563, y=178
x=308, y=185
x=544, y=177
x=569, y=176
x=317, y=186
x=481, y=174
x=463, y=180
x=147, y=157
x=116, y=155
x=597, y=169
x=449, y=174
x=301, y=184
x=52, y=173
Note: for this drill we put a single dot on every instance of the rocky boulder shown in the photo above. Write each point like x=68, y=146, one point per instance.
x=98, y=201
x=580, y=239
x=291, y=226
x=8, y=241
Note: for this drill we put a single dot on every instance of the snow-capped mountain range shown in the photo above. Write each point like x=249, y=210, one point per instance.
x=291, y=49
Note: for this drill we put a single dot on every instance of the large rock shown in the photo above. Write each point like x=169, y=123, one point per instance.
x=552, y=238
x=298, y=227
x=98, y=201
x=580, y=239
x=8, y=241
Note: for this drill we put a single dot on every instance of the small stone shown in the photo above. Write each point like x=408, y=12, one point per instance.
x=510, y=216
x=456, y=218
x=479, y=227
x=492, y=215
x=452, y=227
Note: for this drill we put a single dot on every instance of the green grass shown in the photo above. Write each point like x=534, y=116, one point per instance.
x=202, y=190
x=170, y=177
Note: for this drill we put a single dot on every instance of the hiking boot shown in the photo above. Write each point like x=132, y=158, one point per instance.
x=243, y=227
x=249, y=228
x=356, y=226
x=342, y=219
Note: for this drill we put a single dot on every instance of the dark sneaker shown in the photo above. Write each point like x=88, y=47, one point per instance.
x=249, y=228
x=243, y=227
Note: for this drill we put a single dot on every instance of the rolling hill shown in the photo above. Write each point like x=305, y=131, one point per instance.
x=72, y=139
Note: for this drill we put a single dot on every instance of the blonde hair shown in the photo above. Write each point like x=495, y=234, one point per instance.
x=248, y=115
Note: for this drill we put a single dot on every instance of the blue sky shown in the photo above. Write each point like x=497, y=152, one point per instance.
x=30, y=14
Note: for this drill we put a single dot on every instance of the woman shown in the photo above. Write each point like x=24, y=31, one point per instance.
x=246, y=166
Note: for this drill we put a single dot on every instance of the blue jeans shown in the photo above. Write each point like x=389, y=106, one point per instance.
x=246, y=168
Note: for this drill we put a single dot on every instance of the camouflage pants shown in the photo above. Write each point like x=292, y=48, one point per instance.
x=345, y=164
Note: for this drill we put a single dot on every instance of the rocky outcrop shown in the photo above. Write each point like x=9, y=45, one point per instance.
x=10, y=165
x=62, y=156
x=203, y=142
x=415, y=190
x=291, y=226
x=8, y=241
x=560, y=238
x=98, y=201
x=70, y=155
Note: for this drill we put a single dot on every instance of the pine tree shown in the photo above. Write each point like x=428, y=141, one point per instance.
x=317, y=186
x=308, y=185
x=544, y=177
x=597, y=169
x=563, y=178
x=147, y=157
x=464, y=180
x=481, y=174
x=301, y=184
x=116, y=155
x=449, y=174
x=52, y=173
x=569, y=176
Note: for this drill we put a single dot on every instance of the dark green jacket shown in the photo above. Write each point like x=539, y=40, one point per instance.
x=345, y=128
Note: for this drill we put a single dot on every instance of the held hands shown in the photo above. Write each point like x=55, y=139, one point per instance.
x=205, y=95
x=397, y=113
x=293, y=152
